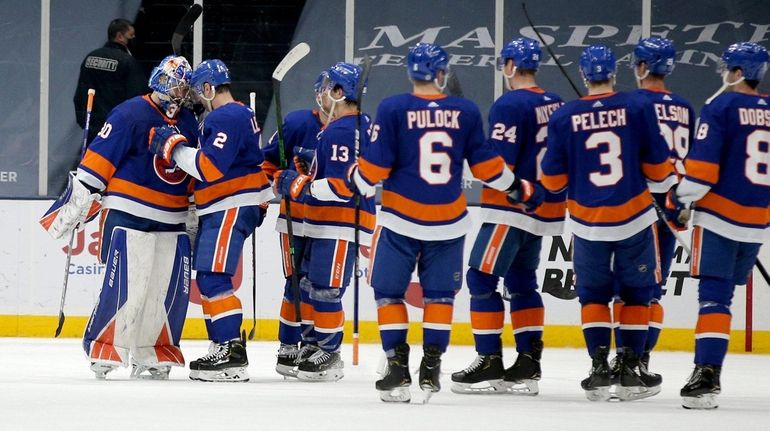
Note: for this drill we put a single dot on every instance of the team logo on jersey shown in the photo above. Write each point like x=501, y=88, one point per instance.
x=170, y=175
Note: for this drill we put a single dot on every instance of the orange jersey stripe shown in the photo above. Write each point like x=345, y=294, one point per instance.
x=659, y=171
x=554, y=183
x=255, y=181
x=488, y=169
x=487, y=319
x=493, y=248
x=339, y=187
x=611, y=214
x=528, y=317
x=372, y=172
x=546, y=210
x=373, y=251
x=697, y=240
x=595, y=313
x=713, y=322
x=297, y=209
x=329, y=319
x=421, y=211
x=208, y=169
x=656, y=313
x=269, y=169
x=735, y=211
x=338, y=215
x=704, y=171
x=97, y=163
x=118, y=185
x=438, y=313
x=223, y=241
x=635, y=315
x=392, y=314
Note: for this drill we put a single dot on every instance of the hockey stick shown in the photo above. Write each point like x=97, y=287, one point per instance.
x=453, y=85
x=89, y=108
x=253, y=104
x=360, y=87
x=184, y=25
x=292, y=57
x=548, y=48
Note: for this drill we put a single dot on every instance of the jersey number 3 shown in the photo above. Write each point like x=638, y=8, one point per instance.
x=609, y=158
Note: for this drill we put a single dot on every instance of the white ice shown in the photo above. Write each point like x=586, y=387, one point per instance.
x=46, y=385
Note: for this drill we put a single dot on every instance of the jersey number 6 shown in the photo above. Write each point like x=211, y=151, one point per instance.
x=434, y=165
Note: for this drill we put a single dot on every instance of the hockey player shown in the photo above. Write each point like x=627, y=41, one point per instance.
x=419, y=143
x=329, y=224
x=228, y=192
x=509, y=241
x=143, y=301
x=653, y=61
x=300, y=132
x=728, y=183
x=604, y=148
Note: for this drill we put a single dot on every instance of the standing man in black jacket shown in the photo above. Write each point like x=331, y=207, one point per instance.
x=113, y=72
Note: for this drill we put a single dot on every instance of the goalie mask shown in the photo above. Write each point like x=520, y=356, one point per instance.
x=170, y=81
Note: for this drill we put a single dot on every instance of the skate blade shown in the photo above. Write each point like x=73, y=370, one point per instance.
x=396, y=395
x=427, y=392
x=286, y=371
x=101, y=370
x=144, y=373
x=229, y=375
x=599, y=394
x=323, y=376
x=526, y=387
x=700, y=402
x=633, y=393
x=487, y=387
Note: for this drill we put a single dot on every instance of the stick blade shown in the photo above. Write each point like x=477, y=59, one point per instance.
x=183, y=27
x=59, y=326
x=292, y=57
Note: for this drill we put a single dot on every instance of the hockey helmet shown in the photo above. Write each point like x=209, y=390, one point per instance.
x=657, y=53
x=597, y=63
x=345, y=75
x=212, y=71
x=750, y=57
x=425, y=60
x=525, y=52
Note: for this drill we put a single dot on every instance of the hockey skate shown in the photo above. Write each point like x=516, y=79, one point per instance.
x=597, y=384
x=522, y=377
x=146, y=372
x=702, y=389
x=394, y=384
x=227, y=363
x=101, y=369
x=483, y=376
x=430, y=372
x=321, y=366
x=194, y=364
x=286, y=365
x=636, y=382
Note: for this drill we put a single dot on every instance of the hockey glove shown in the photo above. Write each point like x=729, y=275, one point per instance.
x=74, y=208
x=163, y=140
x=292, y=184
x=303, y=160
x=677, y=214
x=527, y=194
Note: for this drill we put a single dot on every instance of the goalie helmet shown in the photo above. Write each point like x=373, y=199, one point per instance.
x=657, y=53
x=524, y=52
x=425, y=60
x=750, y=57
x=597, y=63
x=212, y=71
x=345, y=75
x=171, y=81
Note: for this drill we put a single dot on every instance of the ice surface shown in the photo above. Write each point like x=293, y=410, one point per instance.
x=46, y=385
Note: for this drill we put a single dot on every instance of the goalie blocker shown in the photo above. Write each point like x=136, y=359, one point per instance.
x=142, y=303
x=72, y=210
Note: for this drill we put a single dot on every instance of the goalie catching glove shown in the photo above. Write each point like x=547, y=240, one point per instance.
x=74, y=208
x=526, y=194
x=163, y=140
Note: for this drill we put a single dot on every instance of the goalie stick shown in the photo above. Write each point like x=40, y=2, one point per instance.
x=292, y=57
x=184, y=25
x=60, y=324
x=360, y=87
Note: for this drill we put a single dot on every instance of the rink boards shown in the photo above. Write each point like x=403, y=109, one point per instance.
x=32, y=272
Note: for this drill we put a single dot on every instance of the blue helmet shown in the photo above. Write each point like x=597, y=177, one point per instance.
x=657, y=53
x=212, y=71
x=597, y=62
x=171, y=80
x=750, y=57
x=525, y=52
x=318, y=86
x=346, y=76
x=425, y=60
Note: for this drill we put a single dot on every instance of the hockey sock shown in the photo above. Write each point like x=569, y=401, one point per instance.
x=328, y=316
x=656, y=324
x=207, y=316
x=437, y=319
x=307, y=325
x=596, y=326
x=393, y=322
x=288, y=327
x=487, y=312
x=712, y=332
x=634, y=321
x=617, y=308
x=527, y=319
x=226, y=317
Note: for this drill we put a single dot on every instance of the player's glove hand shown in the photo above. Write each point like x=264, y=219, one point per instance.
x=350, y=183
x=262, y=212
x=677, y=214
x=303, y=160
x=527, y=194
x=163, y=140
x=292, y=184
